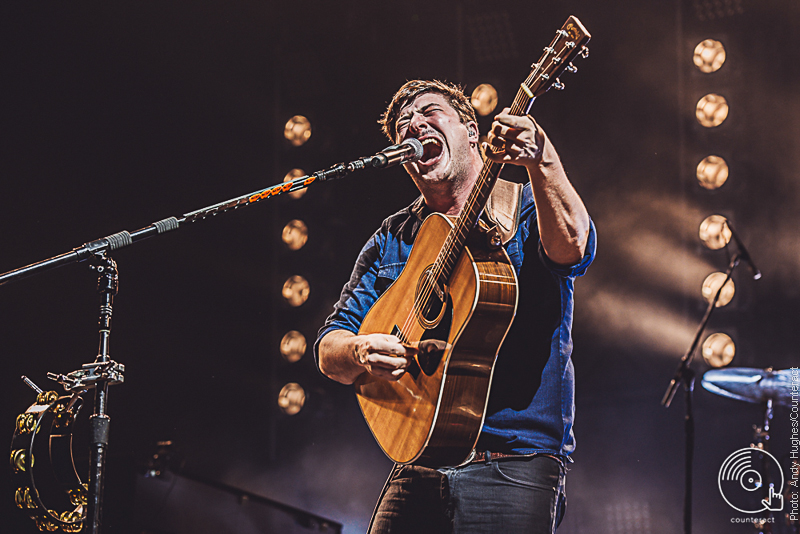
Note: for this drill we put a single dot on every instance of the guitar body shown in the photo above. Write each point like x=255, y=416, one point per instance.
x=433, y=415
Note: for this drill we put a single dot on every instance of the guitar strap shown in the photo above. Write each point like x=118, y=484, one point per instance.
x=503, y=207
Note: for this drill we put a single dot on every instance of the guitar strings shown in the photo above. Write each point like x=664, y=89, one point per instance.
x=456, y=238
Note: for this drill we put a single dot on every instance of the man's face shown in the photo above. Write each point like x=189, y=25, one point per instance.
x=445, y=139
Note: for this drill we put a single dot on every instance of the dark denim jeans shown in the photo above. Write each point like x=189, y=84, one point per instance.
x=500, y=496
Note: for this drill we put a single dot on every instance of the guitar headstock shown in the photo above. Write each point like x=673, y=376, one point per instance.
x=569, y=42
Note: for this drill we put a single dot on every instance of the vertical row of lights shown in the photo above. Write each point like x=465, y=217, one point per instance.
x=295, y=290
x=712, y=172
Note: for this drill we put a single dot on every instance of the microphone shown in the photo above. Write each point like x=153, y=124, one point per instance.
x=408, y=151
x=405, y=152
x=743, y=252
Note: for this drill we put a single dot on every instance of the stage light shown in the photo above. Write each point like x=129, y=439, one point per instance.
x=718, y=350
x=712, y=172
x=291, y=398
x=297, y=130
x=295, y=290
x=293, y=346
x=709, y=56
x=714, y=232
x=293, y=175
x=711, y=285
x=711, y=110
x=484, y=99
x=295, y=234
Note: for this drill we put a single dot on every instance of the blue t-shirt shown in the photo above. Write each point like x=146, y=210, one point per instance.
x=531, y=404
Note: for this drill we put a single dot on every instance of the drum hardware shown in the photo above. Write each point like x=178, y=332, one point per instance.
x=757, y=386
x=751, y=385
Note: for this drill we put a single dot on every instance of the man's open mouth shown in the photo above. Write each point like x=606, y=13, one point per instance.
x=431, y=150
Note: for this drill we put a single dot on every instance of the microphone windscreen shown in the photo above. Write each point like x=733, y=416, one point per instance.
x=417, y=147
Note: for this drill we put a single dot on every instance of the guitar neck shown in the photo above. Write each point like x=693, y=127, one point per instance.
x=568, y=43
x=476, y=201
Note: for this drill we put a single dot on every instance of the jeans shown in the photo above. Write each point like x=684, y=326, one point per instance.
x=500, y=496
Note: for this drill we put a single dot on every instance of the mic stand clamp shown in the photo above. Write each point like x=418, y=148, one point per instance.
x=89, y=375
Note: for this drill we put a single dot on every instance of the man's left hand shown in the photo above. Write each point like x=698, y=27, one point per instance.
x=516, y=139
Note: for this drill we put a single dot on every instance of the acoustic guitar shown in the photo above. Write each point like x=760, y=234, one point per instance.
x=455, y=300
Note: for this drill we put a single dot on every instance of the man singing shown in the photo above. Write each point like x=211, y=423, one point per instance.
x=514, y=482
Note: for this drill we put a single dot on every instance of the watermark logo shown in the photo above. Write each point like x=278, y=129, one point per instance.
x=742, y=477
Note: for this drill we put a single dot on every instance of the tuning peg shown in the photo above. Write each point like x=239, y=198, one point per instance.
x=558, y=85
x=572, y=68
x=584, y=52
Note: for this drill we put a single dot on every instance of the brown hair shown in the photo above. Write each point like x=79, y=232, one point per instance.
x=410, y=90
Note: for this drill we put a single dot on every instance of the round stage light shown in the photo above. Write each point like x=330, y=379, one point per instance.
x=712, y=172
x=711, y=285
x=293, y=346
x=295, y=234
x=295, y=290
x=709, y=56
x=711, y=110
x=297, y=130
x=291, y=398
x=293, y=175
x=714, y=232
x=718, y=350
x=484, y=99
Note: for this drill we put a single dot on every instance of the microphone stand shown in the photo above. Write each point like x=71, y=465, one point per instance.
x=104, y=372
x=685, y=376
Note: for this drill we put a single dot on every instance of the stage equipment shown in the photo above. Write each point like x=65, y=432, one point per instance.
x=297, y=130
x=718, y=350
x=712, y=172
x=709, y=56
x=484, y=99
x=65, y=494
x=714, y=232
x=104, y=372
x=685, y=376
x=765, y=386
x=408, y=151
x=711, y=110
x=293, y=346
x=751, y=385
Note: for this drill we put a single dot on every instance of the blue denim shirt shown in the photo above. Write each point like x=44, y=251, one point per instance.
x=531, y=404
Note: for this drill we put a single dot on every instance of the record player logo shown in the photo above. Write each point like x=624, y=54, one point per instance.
x=743, y=481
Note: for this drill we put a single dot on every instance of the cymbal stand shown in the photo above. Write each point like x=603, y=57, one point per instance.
x=685, y=376
x=761, y=442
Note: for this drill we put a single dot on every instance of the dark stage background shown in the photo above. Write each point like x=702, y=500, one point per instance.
x=115, y=115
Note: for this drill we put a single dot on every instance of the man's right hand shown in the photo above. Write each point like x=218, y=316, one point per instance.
x=344, y=356
x=382, y=355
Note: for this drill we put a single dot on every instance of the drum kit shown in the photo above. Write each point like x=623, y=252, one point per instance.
x=770, y=388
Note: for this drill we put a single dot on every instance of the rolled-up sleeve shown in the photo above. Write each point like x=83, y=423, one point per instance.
x=358, y=294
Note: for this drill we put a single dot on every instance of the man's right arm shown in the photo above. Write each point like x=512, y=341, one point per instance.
x=344, y=356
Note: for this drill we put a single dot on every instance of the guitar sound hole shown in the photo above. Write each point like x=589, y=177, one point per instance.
x=433, y=309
